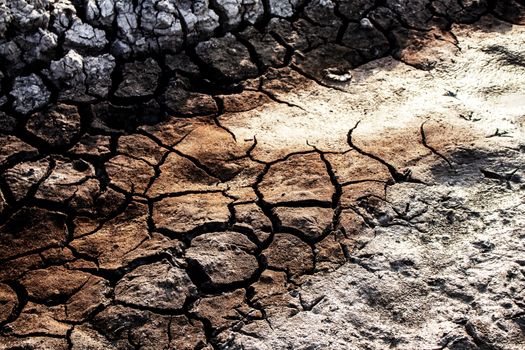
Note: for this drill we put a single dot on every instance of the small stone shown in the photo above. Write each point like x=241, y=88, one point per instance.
x=158, y=285
x=224, y=258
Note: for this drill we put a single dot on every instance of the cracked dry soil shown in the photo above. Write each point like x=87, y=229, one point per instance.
x=234, y=174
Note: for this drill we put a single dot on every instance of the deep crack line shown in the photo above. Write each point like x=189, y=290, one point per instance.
x=396, y=175
x=432, y=149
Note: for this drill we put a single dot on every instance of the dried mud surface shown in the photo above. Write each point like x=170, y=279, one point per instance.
x=262, y=174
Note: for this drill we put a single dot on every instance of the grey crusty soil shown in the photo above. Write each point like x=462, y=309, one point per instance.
x=262, y=174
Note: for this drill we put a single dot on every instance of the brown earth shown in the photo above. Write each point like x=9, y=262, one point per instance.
x=324, y=206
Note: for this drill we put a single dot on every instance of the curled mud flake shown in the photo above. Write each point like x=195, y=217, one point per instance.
x=337, y=75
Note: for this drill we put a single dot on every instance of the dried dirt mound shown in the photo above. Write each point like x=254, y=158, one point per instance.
x=262, y=174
